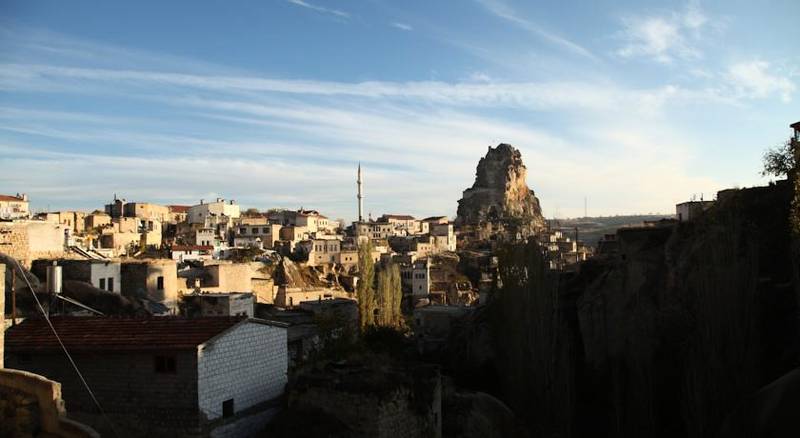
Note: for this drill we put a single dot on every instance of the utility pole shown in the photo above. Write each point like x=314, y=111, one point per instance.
x=585, y=209
x=13, y=297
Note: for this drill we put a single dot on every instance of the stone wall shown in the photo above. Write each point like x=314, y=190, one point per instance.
x=30, y=240
x=2, y=311
x=140, y=279
x=31, y=405
x=376, y=403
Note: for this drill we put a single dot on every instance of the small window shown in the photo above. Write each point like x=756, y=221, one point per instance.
x=102, y=283
x=227, y=408
x=160, y=283
x=165, y=364
x=110, y=284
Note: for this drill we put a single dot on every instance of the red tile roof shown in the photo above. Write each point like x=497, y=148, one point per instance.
x=178, y=208
x=191, y=248
x=117, y=334
x=9, y=198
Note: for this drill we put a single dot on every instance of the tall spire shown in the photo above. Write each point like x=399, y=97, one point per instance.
x=360, y=195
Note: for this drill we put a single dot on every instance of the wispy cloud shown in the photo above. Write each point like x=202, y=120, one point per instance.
x=267, y=141
x=320, y=9
x=664, y=38
x=758, y=79
x=402, y=26
x=504, y=11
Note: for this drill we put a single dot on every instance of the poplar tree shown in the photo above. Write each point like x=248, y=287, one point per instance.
x=365, y=292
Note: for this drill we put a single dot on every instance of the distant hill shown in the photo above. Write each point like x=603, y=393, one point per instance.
x=592, y=229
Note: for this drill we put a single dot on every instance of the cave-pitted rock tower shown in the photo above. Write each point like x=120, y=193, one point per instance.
x=500, y=205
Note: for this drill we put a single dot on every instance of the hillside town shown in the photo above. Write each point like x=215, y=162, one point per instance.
x=205, y=313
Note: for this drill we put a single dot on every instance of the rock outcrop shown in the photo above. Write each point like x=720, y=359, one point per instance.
x=500, y=203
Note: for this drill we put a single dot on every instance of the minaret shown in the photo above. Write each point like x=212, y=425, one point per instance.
x=360, y=196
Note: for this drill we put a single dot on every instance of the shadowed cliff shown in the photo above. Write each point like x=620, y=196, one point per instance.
x=667, y=337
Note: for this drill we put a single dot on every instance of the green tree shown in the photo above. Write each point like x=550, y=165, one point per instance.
x=389, y=295
x=365, y=291
x=779, y=161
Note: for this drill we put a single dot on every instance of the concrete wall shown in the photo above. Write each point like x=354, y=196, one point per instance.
x=247, y=364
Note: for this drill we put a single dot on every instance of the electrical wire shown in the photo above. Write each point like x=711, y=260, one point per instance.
x=66, y=352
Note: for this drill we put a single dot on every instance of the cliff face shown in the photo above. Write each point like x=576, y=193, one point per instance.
x=500, y=196
x=663, y=338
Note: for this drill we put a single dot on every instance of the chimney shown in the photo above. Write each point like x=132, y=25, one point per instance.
x=54, y=278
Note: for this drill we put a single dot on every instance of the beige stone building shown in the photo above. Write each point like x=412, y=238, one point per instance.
x=257, y=232
x=178, y=213
x=226, y=277
x=403, y=224
x=14, y=206
x=292, y=297
x=30, y=240
x=147, y=210
x=75, y=220
x=311, y=220
x=96, y=220
x=321, y=251
x=154, y=279
x=202, y=212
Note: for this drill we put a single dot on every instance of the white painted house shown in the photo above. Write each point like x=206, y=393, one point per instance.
x=218, y=376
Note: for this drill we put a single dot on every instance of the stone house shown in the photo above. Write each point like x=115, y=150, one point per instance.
x=164, y=376
x=320, y=251
x=203, y=212
x=178, y=213
x=153, y=279
x=218, y=304
x=373, y=230
x=348, y=258
x=96, y=220
x=182, y=253
x=102, y=274
x=207, y=236
x=293, y=296
x=403, y=223
x=444, y=238
x=14, y=207
x=690, y=210
x=146, y=210
x=311, y=220
x=416, y=278
x=262, y=234
x=75, y=220
x=28, y=240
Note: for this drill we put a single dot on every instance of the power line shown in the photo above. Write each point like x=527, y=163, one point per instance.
x=63, y=347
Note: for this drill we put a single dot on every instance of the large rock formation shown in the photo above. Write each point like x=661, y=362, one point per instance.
x=500, y=201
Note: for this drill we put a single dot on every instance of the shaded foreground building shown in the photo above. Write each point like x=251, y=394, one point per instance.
x=161, y=376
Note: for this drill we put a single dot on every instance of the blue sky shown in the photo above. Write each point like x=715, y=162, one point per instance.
x=636, y=105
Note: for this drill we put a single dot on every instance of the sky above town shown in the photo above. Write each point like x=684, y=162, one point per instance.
x=634, y=105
